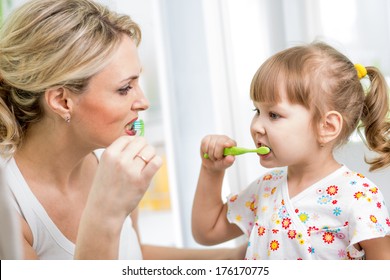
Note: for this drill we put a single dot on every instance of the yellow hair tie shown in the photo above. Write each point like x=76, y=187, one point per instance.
x=361, y=70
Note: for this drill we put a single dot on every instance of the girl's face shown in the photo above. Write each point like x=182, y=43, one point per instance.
x=287, y=129
x=112, y=100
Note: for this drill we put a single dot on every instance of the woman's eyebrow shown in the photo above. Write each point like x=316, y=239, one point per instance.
x=133, y=77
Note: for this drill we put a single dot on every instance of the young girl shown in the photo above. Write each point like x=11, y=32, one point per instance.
x=69, y=85
x=308, y=100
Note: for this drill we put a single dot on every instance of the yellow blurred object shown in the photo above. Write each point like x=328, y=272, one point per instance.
x=361, y=70
x=157, y=196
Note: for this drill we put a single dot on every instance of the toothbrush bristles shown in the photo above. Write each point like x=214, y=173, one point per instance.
x=139, y=126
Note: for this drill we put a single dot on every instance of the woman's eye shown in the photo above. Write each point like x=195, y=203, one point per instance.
x=274, y=116
x=125, y=90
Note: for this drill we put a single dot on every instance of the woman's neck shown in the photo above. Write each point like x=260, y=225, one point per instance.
x=51, y=154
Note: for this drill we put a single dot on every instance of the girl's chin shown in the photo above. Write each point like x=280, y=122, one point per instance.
x=268, y=163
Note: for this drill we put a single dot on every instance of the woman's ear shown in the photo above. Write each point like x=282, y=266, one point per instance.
x=59, y=102
x=330, y=127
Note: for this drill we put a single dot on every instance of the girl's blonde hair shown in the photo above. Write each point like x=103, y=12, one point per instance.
x=48, y=43
x=321, y=79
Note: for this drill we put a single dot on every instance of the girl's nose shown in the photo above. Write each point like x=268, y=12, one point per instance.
x=257, y=127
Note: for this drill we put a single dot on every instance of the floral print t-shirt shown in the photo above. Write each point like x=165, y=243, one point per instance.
x=322, y=222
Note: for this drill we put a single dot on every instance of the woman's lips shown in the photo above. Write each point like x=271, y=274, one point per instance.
x=129, y=128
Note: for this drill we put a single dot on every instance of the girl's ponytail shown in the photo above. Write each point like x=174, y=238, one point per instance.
x=375, y=119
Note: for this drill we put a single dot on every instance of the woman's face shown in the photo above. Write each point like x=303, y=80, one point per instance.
x=112, y=100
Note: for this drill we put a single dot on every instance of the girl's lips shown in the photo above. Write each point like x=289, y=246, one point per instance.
x=266, y=155
x=263, y=145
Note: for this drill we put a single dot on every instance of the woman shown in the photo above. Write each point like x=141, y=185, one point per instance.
x=69, y=75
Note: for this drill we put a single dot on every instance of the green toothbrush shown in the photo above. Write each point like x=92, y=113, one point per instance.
x=139, y=126
x=235, y=151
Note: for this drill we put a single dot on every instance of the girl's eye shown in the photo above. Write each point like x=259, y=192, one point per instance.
x=257, y=111
x=125, y=90
x=274, y=116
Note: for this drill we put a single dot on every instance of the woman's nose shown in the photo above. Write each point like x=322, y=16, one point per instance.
x=141, y=103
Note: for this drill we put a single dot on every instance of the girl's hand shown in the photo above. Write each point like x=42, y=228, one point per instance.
x=214, y=145
x=124, y=173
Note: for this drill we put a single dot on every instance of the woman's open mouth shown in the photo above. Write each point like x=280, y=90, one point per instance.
x=129, y=128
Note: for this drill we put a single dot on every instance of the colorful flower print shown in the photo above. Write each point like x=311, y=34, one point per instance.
x=342, y=253
x=311, y=229
x=233, y=198
x=360, y=175
x=358, y=195
x=304, y=217
x=328, y=237
x=373, y=219
x=374, y=190
x=291, y=234
x=332, y=190
x=261, y=231
x=324, y=199
x=286, y=222
x=274, y=245
x=251, y=205
x=283, y=212
x=267, y=177
x=337, y=211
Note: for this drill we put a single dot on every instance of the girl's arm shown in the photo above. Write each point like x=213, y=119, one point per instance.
x=377, y=248
x=209, y=221
x=209, y=214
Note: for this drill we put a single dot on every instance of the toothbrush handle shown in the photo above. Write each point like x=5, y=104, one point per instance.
x=234, y=151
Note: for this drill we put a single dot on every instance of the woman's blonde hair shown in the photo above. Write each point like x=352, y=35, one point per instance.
x=47, y=43
x=321, y=79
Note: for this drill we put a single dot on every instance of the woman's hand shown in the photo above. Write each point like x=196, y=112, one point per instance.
x=124, y=173
x=213, y=146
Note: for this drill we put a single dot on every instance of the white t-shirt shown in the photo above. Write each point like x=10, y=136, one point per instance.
x=48, y=241
x=322, y=222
